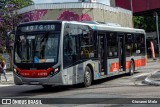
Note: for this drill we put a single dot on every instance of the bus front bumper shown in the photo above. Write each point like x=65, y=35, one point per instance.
x=55, y=80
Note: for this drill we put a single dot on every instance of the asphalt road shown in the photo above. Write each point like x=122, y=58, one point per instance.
x=114, y=87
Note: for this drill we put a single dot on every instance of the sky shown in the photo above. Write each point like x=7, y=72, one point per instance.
x=56, y=1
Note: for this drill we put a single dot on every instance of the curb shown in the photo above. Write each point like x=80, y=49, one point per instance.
x=139, y=78
x=153, y=60
x=3, y=82
x=149, y=61
x=149, y=80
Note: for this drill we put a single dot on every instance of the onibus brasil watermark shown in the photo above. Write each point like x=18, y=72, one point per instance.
x=80, y=100
x=21, y=101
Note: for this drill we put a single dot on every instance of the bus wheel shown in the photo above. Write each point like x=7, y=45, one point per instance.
x=46, y=86
x=131, y=69
x=87, y=77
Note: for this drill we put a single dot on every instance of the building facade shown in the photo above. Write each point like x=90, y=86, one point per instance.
x=77, y=11
x=138, y=5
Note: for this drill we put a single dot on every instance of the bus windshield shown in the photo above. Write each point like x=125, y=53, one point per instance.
x=37, y=48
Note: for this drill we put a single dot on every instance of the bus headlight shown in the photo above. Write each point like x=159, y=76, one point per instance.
x=54, y=71
x=16, y=71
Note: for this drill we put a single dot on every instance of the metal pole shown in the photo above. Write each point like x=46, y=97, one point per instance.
x=157, y=28
x=131, y=5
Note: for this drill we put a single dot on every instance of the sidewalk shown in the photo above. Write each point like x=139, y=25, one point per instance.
x=153, y=60
x=9, y=81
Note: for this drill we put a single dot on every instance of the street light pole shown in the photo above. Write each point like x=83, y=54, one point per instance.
x=131, y=8
x=131, y=5
x=157, y=28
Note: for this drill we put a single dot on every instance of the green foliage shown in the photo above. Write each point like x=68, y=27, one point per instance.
x=145, y=22
x=21, y=3
x=9, y=19
x=1, y=58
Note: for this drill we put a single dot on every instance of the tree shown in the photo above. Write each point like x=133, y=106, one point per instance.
x=145, y=22
x=21, y=3
x=9, y=19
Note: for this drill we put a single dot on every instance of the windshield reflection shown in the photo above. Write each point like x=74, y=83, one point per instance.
x=38, y=48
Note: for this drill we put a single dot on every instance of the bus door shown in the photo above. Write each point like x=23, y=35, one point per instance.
x=122, y=52
x=102, y=53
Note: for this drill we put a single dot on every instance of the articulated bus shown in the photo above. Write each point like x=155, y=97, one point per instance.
x=51, y=53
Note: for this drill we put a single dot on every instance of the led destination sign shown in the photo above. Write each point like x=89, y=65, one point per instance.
x=32, y=28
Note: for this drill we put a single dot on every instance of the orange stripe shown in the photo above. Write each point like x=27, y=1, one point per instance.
x=114, y=67
x=127, y=64
x=140, y=62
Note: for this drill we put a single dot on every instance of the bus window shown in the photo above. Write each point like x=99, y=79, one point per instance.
x=135, y=44
x=86, y=45
x=142, y=44
x=129, y=44
x=139, y=44
x=69, y=51
x=70, y=46
x=112, y=44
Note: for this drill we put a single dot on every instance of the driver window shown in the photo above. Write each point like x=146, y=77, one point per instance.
x=70, y=46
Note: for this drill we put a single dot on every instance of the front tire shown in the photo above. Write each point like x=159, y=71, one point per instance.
x=87, y=77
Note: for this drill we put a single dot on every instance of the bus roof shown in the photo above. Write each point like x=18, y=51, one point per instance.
x=105, y=27
x=93, y=25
